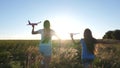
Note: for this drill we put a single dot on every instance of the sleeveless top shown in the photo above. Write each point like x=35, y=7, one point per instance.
x=49, y=41
x=85, y=54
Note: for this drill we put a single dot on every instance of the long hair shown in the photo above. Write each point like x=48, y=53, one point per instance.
x=47, y=34
x=89, y=40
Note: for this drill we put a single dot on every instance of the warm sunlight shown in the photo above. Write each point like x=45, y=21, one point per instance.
x=64, y=25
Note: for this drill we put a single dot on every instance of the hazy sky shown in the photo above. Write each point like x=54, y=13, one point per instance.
x=66, y=16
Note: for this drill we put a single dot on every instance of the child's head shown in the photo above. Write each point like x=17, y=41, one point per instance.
x=46, y=24
x=87, y=33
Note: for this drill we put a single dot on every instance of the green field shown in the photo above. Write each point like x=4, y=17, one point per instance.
x=25, y=54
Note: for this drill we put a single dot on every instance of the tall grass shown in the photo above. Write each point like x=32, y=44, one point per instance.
x=25, y=54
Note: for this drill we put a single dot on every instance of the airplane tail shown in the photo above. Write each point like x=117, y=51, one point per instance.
x=28, y=22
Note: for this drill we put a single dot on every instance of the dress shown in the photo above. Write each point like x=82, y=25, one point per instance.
x=86, y=56
x=45, y=48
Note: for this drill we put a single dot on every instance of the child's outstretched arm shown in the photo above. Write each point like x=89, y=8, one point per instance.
x=108, y=41
x=71, y=35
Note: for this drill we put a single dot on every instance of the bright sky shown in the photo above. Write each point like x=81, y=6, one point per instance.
x=65, y=16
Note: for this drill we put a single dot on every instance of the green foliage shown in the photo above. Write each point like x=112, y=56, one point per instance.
x=116, y=34
x=14, y=50
x=112, y=35
x=108, y=35
x=25, y=54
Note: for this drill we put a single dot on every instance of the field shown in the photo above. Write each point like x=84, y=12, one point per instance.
x=25, y=54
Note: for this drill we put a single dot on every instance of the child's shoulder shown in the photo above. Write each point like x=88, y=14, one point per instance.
x=81, y=40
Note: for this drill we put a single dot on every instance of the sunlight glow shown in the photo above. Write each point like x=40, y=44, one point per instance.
x=64, y=25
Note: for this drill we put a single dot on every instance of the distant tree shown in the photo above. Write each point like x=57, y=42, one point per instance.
x=116, y=34
x=112, y=35
x=108, y=35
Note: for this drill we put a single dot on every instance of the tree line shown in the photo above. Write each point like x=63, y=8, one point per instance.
x=115, y=34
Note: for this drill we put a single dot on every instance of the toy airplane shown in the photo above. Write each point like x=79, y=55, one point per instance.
x=29, y=23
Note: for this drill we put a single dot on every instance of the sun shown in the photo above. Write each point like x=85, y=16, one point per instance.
x=63, y=26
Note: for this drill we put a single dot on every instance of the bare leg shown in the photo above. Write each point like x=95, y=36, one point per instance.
x=47, y=61
x=42, y=63
x=85, y=65
x=91, y=65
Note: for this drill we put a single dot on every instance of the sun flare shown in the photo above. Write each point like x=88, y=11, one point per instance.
x=63, y=26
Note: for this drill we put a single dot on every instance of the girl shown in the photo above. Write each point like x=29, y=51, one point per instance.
x=45, y=46
x=88, y=47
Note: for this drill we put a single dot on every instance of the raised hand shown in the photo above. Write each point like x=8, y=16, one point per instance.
x=33, y=26
x=71, y=35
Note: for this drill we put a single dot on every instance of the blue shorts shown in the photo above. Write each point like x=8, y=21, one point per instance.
x=45, y=49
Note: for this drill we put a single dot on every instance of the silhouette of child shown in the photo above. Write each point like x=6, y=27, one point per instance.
x=88, y=47
x=45, y=46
